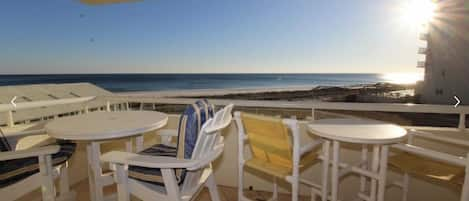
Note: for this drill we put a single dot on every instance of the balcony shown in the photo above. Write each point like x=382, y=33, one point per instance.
x=304, y=111
x=421, y=64
x=423, y=50
x=424, y=36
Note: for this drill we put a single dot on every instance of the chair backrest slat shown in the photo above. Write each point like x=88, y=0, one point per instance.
x=190, y=123
x=207, y=143
x=4, y=145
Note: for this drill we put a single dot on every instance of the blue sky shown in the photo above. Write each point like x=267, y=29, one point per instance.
x=206, y=36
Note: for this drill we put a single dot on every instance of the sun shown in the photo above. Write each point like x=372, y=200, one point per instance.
x=415, y=13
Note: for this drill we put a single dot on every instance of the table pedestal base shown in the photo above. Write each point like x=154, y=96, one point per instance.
x=97, y=179
x=376, y=172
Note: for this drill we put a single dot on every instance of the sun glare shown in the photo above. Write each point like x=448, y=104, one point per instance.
x=417, y=12
x=402, y=78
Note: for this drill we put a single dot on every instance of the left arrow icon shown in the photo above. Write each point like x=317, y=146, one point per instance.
x=13, y=101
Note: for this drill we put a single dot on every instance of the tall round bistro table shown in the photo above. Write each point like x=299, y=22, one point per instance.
x=373, y=133
x=97, y=127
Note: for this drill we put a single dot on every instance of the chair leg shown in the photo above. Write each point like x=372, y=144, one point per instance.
x=128, y=145
x=240, y=182
x=374, y=168
x=94, y=171
x=171, y=185
x=325, y=170
x=122, y=180
x=138, y=143
x=465, y=187
x=45, y=168
x=275, y=190
x=335, y=170
x=295, y=189
x=314, y=196
x=364, y=160
x=212, y=188
x=405, y=186
x=383, y=168
x=65, y=193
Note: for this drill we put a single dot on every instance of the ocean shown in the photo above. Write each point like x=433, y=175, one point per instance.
x=162, y=82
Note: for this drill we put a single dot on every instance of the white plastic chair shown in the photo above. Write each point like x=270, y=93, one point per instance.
x=44, y=179
x=276, y=148
x=209, y=147
x=167, y=135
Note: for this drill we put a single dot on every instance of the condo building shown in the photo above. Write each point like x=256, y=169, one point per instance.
x=446, y=63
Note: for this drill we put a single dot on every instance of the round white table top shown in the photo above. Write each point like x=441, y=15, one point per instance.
x=358, y=131
x=105, y=125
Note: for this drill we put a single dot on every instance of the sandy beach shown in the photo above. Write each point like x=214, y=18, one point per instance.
x=379, y=92
x=213, y=92
x=370, y=93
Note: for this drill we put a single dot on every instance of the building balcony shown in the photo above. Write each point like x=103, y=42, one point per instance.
x=423, y=50
x=421, y=64
x=424, y=36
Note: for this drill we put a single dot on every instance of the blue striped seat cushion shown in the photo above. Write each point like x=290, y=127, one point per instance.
x=4, y=145
x=190, y=124
x=191, y=121
x=12, y=171
x=152, y=175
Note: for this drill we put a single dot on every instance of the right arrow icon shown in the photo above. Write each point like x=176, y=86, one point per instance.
x=457, y=101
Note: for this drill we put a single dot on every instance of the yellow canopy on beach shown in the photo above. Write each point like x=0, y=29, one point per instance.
x=100, y=2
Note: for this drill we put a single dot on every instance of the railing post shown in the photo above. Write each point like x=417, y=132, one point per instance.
x=9, y=117
x=462, y=121
x=108, y=106
x=312, y=113
x=465, y=187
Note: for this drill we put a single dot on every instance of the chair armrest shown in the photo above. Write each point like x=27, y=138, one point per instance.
x=127, y=158
x=168, y=132
x=167, y=135
x=212, y=129
x=13, y=137
x=21, y=134
x=33, y=152
x=436, y=155
x=310, y=146
x=209, y=159
x=431, y=134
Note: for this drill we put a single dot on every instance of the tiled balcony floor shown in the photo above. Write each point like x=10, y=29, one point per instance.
x=226, y=194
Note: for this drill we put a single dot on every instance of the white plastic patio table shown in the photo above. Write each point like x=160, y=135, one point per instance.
x=359, y=131
x=97, y=127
